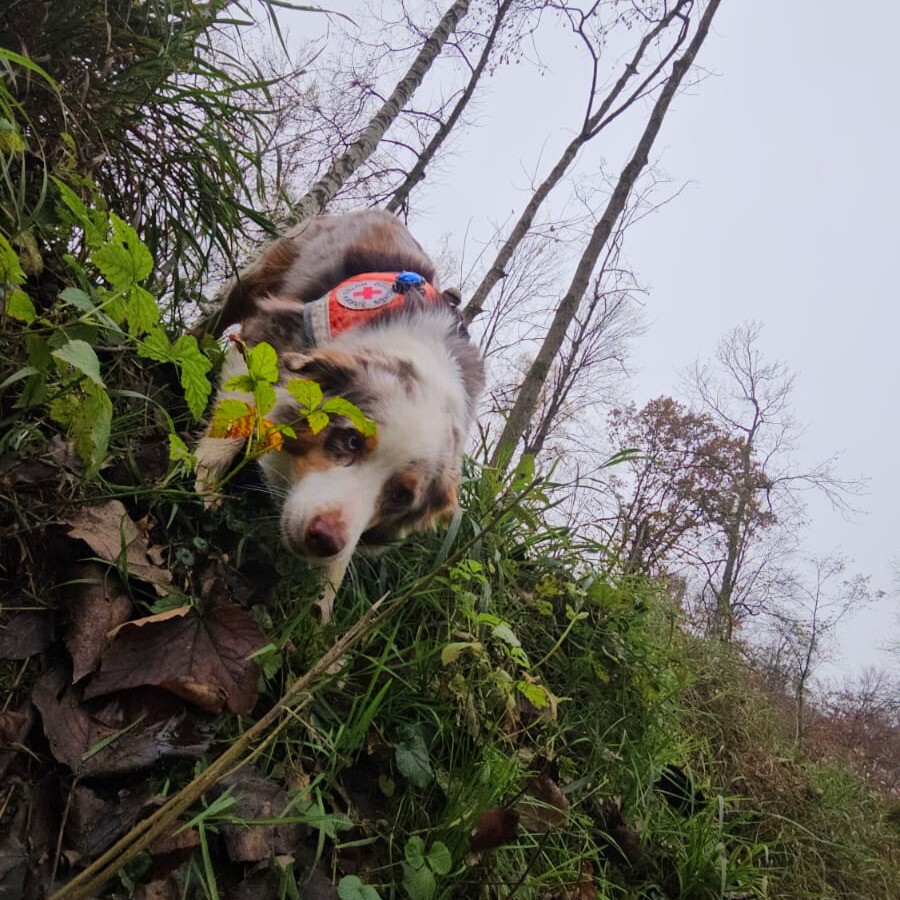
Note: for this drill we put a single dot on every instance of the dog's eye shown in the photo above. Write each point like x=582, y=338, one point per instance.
x=400, y=495
x=354, y=442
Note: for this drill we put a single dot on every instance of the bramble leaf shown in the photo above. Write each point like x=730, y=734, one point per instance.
x=227, y=413
x=141, y=311
x=123, y=260
x=240, y=383
x=156, y=346
x=78, y=298
x=317, y=421
x=194, y=366
x=262, y=363
x=307, y=393
x=93, y=235
x=338, y=406
x=87, y=416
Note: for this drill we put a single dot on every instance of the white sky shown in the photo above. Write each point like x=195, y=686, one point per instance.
x=792, y=151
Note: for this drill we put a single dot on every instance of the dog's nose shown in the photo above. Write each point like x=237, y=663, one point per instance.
x=324, y=537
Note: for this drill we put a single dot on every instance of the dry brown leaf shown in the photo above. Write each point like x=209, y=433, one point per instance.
x=175, y=613
x=584, y=888
x=98, y=818
x=98, y=604
x=257, y=797
x=108, y=529
x=25, y=634
x=551, y=809
x=76, y=734
x=201, y=658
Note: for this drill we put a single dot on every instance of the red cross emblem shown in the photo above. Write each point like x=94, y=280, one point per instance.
x=369, y=294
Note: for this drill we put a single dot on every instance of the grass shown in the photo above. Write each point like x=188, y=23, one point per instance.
x=521, y=653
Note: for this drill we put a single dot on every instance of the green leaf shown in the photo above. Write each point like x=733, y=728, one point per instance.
x=411, y=755
x=452, y=652
x=262, y=363
x=338, y=406
x=240, y=383
x=88, y=419
x=179, y=453
x=228, y=411
x=194, y=366
x=535, y=694
x=414, y=852
x=317, y=421
x=81, y=355
x=10, y=268
x=141, y=311
x=93, y=235
x=351, y=888
x=419, y=883
x=306, y=392
x=504, y=633
x=439, y=858
x=524, y=473
x=10, y=138
x=78, y=298
x=19, y=306
x=123, y=260
x=265, y=397
x=156, y=346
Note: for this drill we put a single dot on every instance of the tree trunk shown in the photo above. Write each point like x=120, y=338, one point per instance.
x=526, y=401
x=319, y=195
x=591, y=127
x=417, y=173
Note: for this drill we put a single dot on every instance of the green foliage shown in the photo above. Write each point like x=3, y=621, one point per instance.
x=351, y=888
x=104, y=303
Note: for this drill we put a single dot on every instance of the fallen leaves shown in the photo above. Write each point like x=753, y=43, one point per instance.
x=110, y=532
x=115, y=738
x=199, y=657
x=98, y=605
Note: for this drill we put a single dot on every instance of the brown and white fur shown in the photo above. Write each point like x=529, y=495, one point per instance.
x=414, y=373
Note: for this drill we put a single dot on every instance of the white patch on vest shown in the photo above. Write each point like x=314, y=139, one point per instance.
x=365, y=294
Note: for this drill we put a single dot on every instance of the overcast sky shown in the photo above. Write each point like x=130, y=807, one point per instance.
x=791, y=154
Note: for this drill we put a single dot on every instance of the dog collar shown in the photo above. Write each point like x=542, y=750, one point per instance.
x=360, y=299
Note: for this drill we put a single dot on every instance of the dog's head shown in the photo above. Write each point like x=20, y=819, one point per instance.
x=343, y=490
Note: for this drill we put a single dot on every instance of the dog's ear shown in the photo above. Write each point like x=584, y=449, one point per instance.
x=335, y=371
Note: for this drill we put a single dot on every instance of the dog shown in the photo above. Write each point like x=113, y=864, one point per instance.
x=352, y=302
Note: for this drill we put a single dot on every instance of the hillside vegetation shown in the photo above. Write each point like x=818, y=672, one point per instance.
x=498, y=710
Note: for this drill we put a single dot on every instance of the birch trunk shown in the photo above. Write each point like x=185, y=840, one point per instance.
x=527, y=398
x=417, y=173
x=320, y=194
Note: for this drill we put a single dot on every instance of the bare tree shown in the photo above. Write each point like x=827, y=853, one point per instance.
x=400, y=199
x=318, y=196
x=750, y=399
x=633, y=83
x=527, y=399
x=815, y=602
